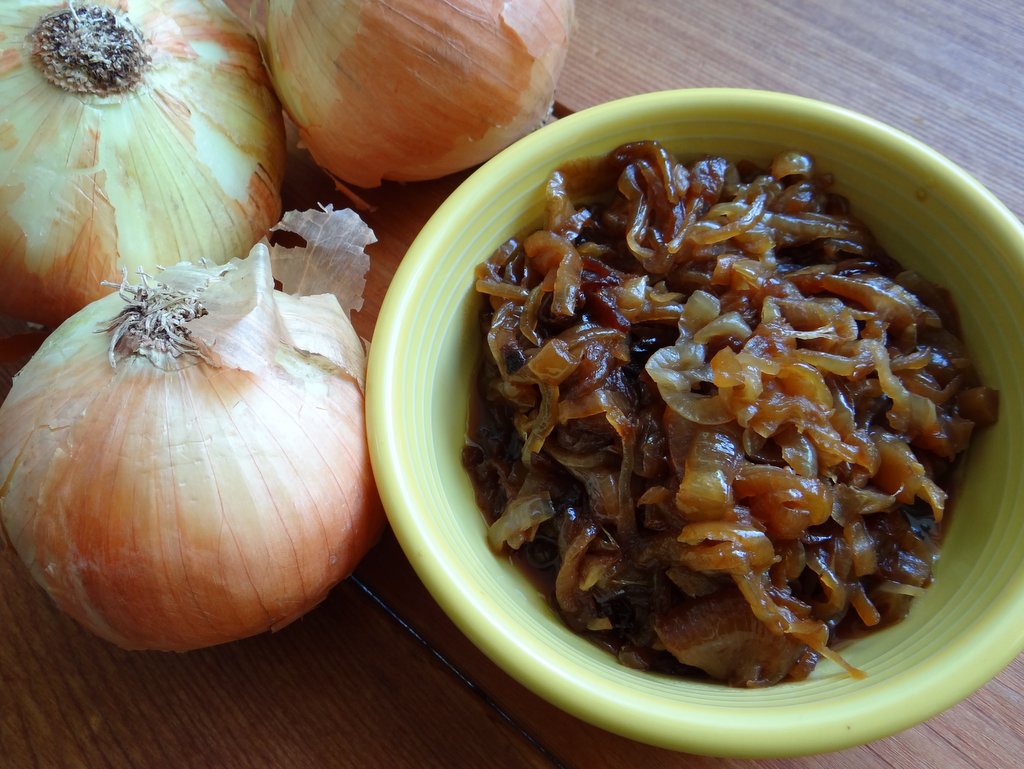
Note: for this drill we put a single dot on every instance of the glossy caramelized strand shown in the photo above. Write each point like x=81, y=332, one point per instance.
x=710, y=400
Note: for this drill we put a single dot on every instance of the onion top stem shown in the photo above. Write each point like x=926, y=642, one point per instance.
x=89, y=49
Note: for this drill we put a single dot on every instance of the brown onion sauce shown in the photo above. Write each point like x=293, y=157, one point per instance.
x=630, y=592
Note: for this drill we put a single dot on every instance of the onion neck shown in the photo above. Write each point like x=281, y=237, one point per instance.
x=90, y=49
x=154, y=322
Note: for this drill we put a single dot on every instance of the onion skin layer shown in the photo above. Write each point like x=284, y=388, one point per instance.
x=178, y=510
x=187, y=167
x=414, y=89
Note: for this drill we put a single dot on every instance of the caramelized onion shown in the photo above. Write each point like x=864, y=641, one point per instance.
x=732, y=410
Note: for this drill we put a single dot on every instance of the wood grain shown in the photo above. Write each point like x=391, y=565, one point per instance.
x=377, y=676
x=344, y=686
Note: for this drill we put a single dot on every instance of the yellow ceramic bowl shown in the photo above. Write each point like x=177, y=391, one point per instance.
x=930, y=215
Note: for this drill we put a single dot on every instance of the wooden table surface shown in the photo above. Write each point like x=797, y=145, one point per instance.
x=377, y=676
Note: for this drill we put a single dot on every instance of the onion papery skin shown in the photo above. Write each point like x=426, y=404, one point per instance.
x=409, y=90
x=180, y=509
x=187, y=166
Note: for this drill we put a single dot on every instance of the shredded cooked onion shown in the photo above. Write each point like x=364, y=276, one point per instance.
x=713, y=394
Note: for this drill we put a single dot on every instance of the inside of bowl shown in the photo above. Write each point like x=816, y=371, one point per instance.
x=931, y=217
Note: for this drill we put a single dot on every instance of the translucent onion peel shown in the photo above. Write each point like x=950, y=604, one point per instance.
x=414, y=89
x=214, y=482
x=133, y=133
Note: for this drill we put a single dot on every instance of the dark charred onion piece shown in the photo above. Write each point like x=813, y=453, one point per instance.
x=715, y=420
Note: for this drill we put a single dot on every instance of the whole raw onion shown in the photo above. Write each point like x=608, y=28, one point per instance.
x=414, y=89
x=184, y=461
x=133, y=134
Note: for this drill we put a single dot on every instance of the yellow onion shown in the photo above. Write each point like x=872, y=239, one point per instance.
x=184, y=462
x=414, y=89
x=133, y=133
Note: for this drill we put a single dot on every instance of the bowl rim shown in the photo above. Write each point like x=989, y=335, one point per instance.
x=483, y=621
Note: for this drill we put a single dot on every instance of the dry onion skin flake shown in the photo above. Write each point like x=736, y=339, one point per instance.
x=183, y=462
x=133, y=133
x=414, y=89
x=716, y=422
